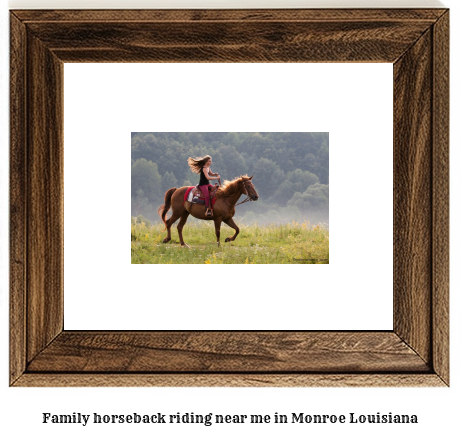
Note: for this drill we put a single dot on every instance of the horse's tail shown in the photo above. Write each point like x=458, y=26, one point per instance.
x=164, y=208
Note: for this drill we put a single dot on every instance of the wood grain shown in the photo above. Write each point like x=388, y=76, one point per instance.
x=203, y=15
x=414, y=354
x=230, y=380
x=413, y=196
x=195, y=41
x=440, y=197
x=235, y=352
x=18, y=211
x=45, y=241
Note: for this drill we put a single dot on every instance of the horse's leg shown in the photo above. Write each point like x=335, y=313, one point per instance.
x=217, y=229
x=181, y=223
x=169, y=223
x=230, y=223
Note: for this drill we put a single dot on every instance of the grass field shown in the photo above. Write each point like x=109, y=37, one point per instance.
x=292, y=243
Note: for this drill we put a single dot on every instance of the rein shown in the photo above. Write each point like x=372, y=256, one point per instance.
x=245, y=193
x=244, y=201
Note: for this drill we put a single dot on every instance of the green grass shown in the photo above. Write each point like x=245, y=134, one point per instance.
x=270, y=244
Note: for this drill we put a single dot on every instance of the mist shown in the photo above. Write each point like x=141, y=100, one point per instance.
x=290, y=172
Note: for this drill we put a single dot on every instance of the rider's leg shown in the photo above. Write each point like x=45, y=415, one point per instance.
x=206, y=194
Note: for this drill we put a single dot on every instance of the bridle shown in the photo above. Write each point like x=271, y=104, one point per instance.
x=245, y=193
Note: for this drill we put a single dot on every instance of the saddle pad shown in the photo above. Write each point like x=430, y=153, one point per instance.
x=189, y=196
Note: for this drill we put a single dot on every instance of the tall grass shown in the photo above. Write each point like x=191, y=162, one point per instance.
x=269, y=244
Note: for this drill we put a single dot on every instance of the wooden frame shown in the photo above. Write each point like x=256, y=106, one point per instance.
x=415, y=353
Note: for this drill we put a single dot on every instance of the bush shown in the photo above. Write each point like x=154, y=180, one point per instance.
x=316, y=197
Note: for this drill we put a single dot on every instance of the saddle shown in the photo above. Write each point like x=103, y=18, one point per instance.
x=195, y=195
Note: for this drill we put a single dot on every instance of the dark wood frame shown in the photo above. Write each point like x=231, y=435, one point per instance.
x=414, y=353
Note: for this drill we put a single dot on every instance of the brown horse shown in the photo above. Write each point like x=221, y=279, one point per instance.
x=223, y=209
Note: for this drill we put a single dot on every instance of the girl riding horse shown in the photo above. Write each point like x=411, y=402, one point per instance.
x=201, y=165
x=227, y=197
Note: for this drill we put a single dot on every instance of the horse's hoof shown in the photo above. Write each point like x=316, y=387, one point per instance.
x=166, y=240
x=185, y=245
x=227, y=240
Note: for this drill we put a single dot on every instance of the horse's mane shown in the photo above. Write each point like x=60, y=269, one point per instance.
x=229, y=187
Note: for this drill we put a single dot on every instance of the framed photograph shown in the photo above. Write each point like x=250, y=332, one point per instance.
x=289, y=226
x=415, y=352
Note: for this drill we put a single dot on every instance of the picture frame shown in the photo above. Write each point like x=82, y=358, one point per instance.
x=414, y=353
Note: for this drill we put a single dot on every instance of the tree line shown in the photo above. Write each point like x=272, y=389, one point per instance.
x=290, y=170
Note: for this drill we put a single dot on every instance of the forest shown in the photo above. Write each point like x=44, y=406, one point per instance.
x=290, y=171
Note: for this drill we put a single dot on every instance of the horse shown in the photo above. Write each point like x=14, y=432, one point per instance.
x=223, y=210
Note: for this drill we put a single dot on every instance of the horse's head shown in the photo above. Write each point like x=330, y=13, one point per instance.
x=248, y=188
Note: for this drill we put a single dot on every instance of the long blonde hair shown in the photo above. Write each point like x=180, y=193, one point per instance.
x=197, y=163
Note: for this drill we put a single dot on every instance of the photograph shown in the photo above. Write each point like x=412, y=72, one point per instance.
x=230, y=198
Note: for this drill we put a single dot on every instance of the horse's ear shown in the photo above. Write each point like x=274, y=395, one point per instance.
x=250, y=178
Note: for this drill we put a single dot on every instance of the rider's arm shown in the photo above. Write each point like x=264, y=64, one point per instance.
x=208, y=174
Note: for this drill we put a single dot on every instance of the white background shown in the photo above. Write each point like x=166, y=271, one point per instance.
x=437, y=409
x=104, y=103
